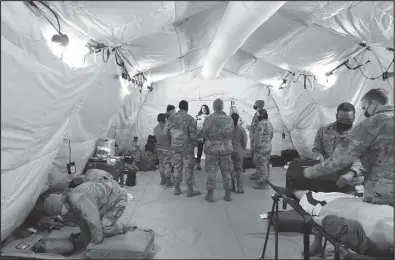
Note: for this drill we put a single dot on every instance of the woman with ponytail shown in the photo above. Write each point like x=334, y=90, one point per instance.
x=239, y=143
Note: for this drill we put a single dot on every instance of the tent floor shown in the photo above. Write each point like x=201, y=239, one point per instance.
x=192, y=228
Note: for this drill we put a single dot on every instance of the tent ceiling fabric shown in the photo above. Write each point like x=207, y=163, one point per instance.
x=46, y=103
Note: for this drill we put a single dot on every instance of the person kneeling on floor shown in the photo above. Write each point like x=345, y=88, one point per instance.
x=95, y=205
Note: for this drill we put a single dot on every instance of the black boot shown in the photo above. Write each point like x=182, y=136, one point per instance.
x=162, y=180
x=191, y=192
x=227, y=196
x=198, y=166
x=254, y=177
x=209, y=196
x=233, y=185
x=169, y=183
x=177, y=189
x=240, y=186
x=260, y=185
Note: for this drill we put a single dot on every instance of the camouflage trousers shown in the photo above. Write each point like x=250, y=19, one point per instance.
x=164, y=163
x=225, y=164
x=262, y=161
x=183, y=164
x=109, y=221
x=237, y=171
x=252, y=151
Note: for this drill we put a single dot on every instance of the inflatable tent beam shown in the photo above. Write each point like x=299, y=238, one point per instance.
x=240, y=20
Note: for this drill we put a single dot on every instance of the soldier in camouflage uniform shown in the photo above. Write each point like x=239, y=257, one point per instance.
x=163, y=151
x=259, y=104
x=217, y=131
x=373, y=142
x=263, y=148
x=326, y=140
x=329, y=136
x=182, y=128
x=239, y=143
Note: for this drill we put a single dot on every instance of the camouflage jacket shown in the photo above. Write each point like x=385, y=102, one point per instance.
x=92, y=202
x=182, y=129
x=218, y=131
x=263, y=135
x=162, y=141
x=373, y=142
x=326, y=140
x=254, y=124
x=239, y=139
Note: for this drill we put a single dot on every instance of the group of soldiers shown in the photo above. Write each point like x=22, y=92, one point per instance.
x=225, y=144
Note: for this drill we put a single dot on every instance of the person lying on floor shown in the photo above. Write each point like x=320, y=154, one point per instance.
x=95, y=205
x=373, y=142
x=363, y=227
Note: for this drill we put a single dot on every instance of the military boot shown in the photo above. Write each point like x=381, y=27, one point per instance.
x=169, y=183
x=240, y=186
x=209, y=196
x=191, y=192
x=177, y=189
x=233, y=185
x=254, y=177
x=162, y=180
x=198, y=167
x=227, y=196
x=260, y=185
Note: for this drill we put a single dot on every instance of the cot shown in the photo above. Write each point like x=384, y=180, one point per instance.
x=288, y=198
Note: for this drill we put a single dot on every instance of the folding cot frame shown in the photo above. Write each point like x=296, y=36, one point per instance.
x=341, y=251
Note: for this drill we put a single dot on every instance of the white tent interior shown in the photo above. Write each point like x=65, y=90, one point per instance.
x=197, y=51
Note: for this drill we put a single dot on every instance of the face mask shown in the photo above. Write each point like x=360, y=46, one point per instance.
x=260, y=118
x=344, y=125
x=367, y=114
x=255, y=107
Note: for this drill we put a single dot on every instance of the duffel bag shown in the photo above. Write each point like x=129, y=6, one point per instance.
x=289, y=155
x=137, y=243
x=131, y=177
x=277, y=161
x=295, y=179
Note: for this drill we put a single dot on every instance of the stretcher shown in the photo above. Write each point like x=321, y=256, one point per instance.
x=288, y=198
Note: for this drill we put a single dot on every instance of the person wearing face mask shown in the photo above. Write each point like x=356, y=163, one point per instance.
x=373, y=142
x=259, y=104
x=328, y=137
x=263, y=148
x=326, y=140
